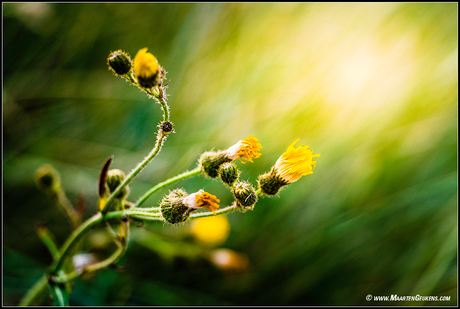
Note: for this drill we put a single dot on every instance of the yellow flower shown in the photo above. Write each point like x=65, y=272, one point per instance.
x=202, y=199
x=295, y=163
x=245, y=149
x=147, y=69
x=211, y=230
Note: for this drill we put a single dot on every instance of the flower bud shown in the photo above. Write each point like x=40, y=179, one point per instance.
x=114, y=178
x=167, y=127
x=228, y=173
x=119, y=62
x=172, y=207
x=211, y=161
x=147, y=70
x=294, y=163
x=244, y=193
x=48, y=180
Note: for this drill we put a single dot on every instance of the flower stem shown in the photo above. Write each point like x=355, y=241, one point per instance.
x=161, y=136
x=194, y=172
x=222, y=211
x=39, y=288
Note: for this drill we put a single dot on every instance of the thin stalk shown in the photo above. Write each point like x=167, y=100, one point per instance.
x=45, y=235
x=39, y=288
x=161, y=136
x=187, y=174
x=222, y=211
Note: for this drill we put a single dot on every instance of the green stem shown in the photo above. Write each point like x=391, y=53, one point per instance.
x=73, y=238
x=161, y=136
x=194, y=172
x=45, y=235
x=39, y=288
x=222, y=211
x=131, y=78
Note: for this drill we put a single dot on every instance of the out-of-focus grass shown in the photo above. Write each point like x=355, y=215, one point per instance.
x=371, y=87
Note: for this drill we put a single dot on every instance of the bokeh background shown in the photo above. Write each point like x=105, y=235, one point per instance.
x=371, y=87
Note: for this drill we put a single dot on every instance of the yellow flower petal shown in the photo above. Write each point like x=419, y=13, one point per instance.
x=145, y=64
x=245, y=150
x=207, y=200
x=295, y=163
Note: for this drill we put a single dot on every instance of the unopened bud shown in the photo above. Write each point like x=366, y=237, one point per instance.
x=119, y=62
x=167, y=127
x=114, y=178
x=48, y=179
x=244, y=193
x=211, y=161
x=228, y=173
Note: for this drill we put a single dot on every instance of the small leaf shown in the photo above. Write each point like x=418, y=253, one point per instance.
x=102, y=177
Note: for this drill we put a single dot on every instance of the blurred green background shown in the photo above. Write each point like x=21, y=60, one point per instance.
x=371, y=87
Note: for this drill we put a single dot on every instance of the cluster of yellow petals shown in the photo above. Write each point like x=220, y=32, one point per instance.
x=207, y=200
x=295, y=163
x=245, y=150
x=145, y=64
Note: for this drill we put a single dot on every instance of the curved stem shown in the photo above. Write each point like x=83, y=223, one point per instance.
x=161, y=136
x=35, y=291
x=76, y=235
x=187, y=174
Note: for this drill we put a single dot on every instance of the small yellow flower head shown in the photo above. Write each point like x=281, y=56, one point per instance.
x=147, y=70
x=202, y=199
x=290, y=166
x=295, y=163
x=245, y=150
x=211, y=231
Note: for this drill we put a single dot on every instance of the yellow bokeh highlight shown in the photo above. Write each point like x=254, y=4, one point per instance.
x=212, y=231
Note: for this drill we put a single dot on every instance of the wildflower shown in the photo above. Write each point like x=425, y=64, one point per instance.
x=244, y=151
x=290, y=166
x=202, y=199
x=177, y=206
x=211, y=231
x=147, y=70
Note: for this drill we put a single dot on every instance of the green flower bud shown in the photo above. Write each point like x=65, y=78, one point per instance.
x=172, y=207
x=211, y=161
x=229, y=173
x=48, y=180
x=167, y=127
x=119, y=62
x=114, y=178
x=270, y=183
x=244, y=193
